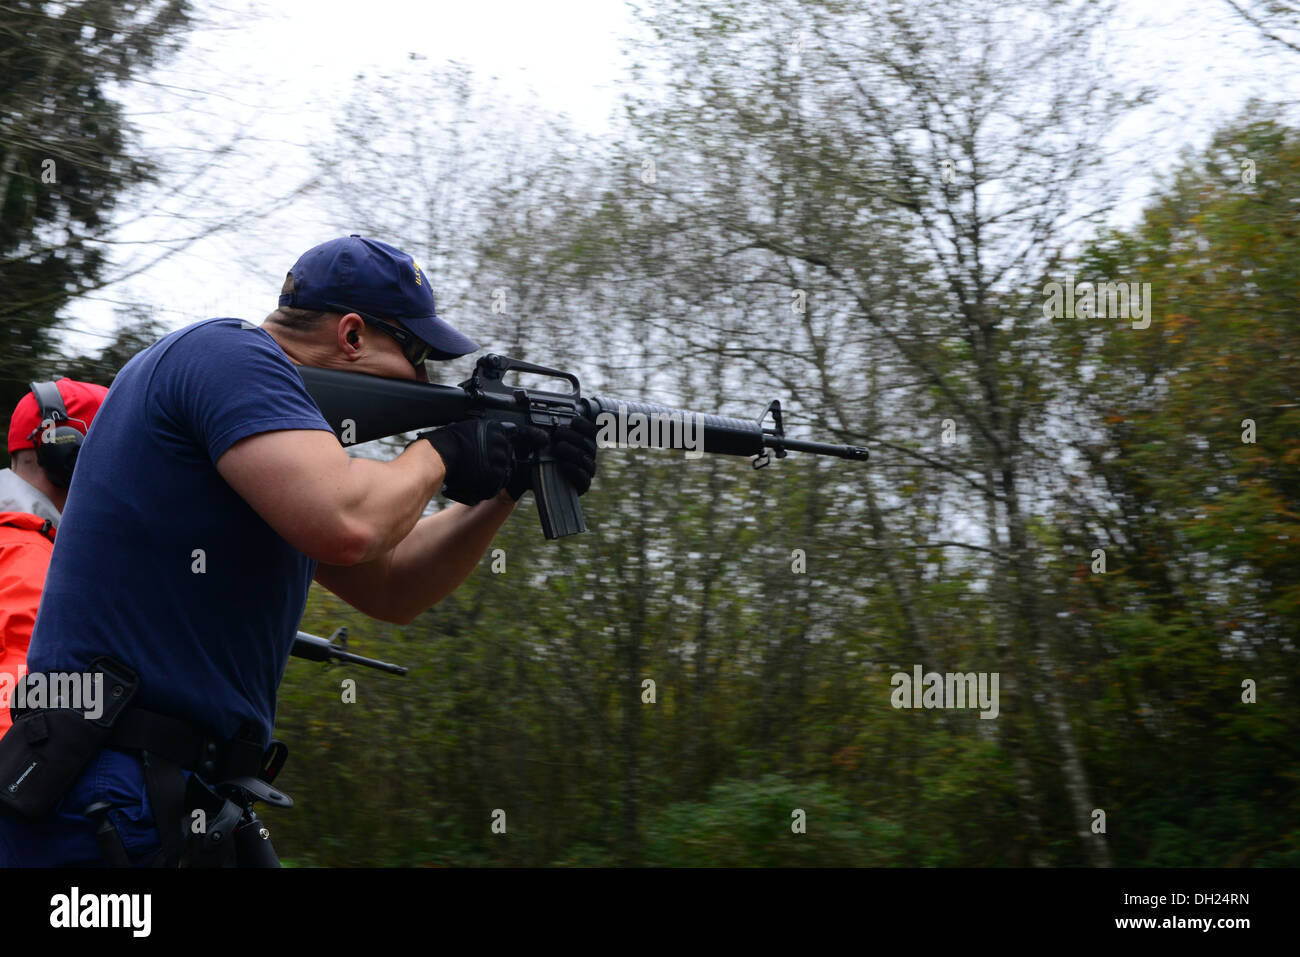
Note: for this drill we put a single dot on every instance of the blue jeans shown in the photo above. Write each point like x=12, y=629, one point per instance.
x=66, y=837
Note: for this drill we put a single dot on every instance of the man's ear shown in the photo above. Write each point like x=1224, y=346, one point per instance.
x=348, y=336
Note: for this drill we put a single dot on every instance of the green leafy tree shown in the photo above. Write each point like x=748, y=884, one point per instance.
x=1191, y=432
x=67, y=157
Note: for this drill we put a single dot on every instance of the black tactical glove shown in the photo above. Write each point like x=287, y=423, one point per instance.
x=574, y=448
x=477, y=454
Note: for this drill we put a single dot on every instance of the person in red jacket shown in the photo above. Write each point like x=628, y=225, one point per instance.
x=44, y=436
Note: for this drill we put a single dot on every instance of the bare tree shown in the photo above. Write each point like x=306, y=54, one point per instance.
x=1272, y=18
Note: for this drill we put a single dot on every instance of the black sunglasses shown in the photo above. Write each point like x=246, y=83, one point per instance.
x=414, y=348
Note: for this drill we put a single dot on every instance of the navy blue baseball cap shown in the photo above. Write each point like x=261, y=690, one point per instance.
x=374, y=280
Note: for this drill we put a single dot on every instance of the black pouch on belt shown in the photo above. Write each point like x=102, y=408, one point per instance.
x=55, y=735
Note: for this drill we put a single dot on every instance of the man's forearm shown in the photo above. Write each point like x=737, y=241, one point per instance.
x=390, y=504
x=442, y=550
x=425, y=567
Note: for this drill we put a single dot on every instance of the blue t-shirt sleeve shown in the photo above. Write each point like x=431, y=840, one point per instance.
x=224, y=381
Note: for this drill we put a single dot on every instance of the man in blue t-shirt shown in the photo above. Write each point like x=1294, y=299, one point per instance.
x=210, y=492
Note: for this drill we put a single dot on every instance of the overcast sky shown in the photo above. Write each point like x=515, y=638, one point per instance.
x=277, y=76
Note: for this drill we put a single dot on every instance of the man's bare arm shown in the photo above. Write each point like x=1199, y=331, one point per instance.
x=425, y=567
x=328, y=505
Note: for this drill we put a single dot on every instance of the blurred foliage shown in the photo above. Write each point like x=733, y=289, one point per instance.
x=1199, y=509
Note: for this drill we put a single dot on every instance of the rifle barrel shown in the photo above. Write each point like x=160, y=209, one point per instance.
x=856, y=452
x=315, y=648
x=718, y=434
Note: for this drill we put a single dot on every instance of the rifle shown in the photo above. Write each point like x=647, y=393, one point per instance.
x=362, y=408
x=335, y=648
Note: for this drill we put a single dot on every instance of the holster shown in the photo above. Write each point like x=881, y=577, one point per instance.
x=210, y=838
x=205, y=825
x=48, y=748
x=227, y=833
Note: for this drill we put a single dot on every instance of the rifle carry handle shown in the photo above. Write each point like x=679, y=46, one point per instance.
x=557, y=500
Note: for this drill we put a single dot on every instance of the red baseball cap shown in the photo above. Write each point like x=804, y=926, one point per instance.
x=81, y=399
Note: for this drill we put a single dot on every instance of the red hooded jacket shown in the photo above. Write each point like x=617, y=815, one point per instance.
x=26, y=542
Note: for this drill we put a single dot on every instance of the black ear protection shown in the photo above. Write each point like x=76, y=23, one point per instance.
x=57, y=444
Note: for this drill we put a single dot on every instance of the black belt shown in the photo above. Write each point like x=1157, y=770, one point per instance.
x=187, y=746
